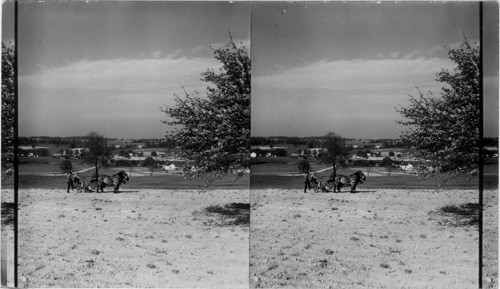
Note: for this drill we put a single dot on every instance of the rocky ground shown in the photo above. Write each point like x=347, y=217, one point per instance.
x=143, y=238
x=490, y=239
x=8, y=235
x=373, y=239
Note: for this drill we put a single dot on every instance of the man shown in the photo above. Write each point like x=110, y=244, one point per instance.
x=69, y=180
x=314, y=180
x=307, y=181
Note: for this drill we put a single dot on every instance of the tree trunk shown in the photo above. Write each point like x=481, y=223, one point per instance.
x=334, y=176
x=96, y=170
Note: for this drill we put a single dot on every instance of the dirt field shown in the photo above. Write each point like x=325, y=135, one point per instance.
x=490, y=239
x=378, y=238
x=7, y=237
x=139, y=238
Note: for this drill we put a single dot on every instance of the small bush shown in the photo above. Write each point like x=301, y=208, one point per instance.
x=304, y=166
x=66, y=166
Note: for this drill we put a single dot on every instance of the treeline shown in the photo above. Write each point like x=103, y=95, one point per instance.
x=490, y=142
x=72, y=142
x=295, y=141
x=160, y=143
x=78, y=141
x=272, y=152
x=315, y=141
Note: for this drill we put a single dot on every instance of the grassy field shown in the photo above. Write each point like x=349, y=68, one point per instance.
x=383, y=182
x=44, y=173
x=149, y=182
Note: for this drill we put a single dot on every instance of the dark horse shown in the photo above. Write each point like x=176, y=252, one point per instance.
x=352, y=180
x=116, y=179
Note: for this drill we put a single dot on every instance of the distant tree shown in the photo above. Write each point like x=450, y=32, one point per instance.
x=362, y=154
x=307, y=153
x=336, y=151
x=304, y=166
x=150, y=163
x=69, y=153
x=281, y=152
x=97, y=151
x=154, y=154
x=445, y=129
x=213, y=131
x=43, y=152
x=124, y=154
x=314, y=153
x=311, y=143
x=490, y=141
x=8, y=109
x=387, y=162
x=66, y=166
x=391, y=153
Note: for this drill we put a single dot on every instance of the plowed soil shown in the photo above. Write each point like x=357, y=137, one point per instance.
x=377, y=238
x=143, y=238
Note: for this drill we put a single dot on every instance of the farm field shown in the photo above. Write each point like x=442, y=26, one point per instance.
x=138, y=238
x=164, y=217
x=164, y=181
x=373, y=239
x=395, y=181
x=44, y=173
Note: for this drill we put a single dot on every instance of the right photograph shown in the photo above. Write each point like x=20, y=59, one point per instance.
x=367, y=123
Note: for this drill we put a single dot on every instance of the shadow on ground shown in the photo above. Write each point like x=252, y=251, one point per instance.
x=8, y=214
x=108, y=192
x=462, y=215
x=234, y=214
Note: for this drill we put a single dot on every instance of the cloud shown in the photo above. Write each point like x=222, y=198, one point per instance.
x=156, y=54
x=357, y=75
x=394, y=54
x=412, y=54
x=239, y=42
x=116, y=97
x=355, y=98
x=123, y=74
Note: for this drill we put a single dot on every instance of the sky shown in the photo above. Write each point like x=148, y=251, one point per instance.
x=317, y=67
x=344, y=67
x=109, y=66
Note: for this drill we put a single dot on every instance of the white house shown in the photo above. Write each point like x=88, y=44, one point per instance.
x=169, y=168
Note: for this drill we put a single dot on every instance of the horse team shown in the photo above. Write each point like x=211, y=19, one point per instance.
x=101, y=182
x=122, y=177
x=338, y=182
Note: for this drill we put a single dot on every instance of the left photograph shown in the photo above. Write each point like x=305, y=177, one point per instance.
x=134, y=126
